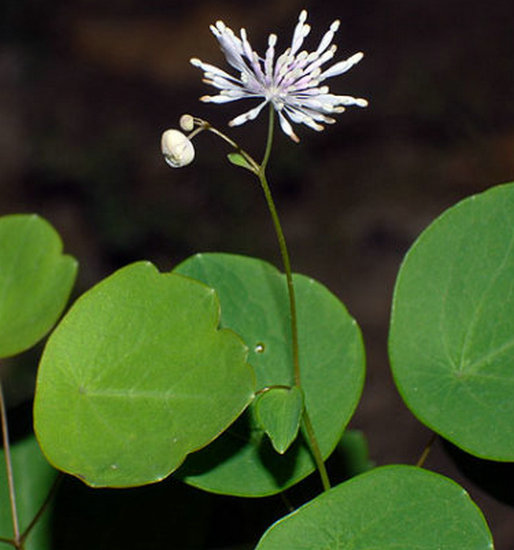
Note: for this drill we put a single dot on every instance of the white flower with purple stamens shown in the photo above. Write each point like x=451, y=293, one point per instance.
x=292, y=82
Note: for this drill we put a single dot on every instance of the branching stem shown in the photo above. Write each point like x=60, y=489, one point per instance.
x=307, y=425
x=260, y=171
x=43, y=507
x=203, y=125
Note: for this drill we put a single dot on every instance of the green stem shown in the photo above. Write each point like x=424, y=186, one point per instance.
x=42, y=508
x=260, y=171
x=9, y=470
x=269, y=140
x=204, y=125
x=272, y=387
x=289, y=276
x=287, y=502
x=309, y=431
x=316, y=453
x=426, y=451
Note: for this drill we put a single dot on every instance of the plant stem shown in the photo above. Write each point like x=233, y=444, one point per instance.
x=260, y=171
x=315, y=450
x=42, y=508
x=287, y=502
x=309, y=430
x=289, y=277
x=426, y=451
x=8, y=468
x=269, y=140
x=204, y=125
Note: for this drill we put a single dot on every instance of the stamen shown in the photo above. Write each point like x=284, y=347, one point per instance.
x=291, y=81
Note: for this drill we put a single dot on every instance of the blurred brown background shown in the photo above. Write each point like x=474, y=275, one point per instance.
x=87, y=87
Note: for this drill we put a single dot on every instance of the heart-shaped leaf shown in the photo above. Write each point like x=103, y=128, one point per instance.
x=254, y=303
x=35, y=281
x=388, y=508
x=136, y=376
x=451, y=342
x=278, y=412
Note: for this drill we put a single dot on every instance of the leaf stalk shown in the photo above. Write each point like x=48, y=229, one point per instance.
x=16, y=542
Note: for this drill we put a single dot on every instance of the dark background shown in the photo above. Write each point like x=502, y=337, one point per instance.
x=88, y=86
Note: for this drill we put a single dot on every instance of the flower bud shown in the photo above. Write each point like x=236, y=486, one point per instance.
x=187, y=123
x=177, y=149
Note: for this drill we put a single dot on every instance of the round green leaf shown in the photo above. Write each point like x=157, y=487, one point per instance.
x=279, y=412
x=388, y=508
x=33, y=479
x=451, y=342
x=254, y=303
x=35, y=281
x=136, y=376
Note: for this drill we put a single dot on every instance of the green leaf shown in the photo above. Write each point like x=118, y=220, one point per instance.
x=33, y=479
x=239, y=160
x=35, y=281
x=254, y=303
x=354, y=451
x=136, y=376
x=278, y=412
x=389, y=508
x=451, y=342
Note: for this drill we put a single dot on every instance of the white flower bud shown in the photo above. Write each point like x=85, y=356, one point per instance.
x=177, y=149
x=187, y=123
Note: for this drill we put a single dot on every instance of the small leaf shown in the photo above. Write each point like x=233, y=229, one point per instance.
x=35, y=281
x=239, y=160
x=136, y=376
x=255, y=304
x=278, y=412
x=451, y=342
x=33, y=478
x=390, y=508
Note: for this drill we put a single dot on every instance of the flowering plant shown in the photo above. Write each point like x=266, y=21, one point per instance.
x=241, y=380
x=291, y=84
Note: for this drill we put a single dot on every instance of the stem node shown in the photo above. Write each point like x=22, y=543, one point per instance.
x=308, y=428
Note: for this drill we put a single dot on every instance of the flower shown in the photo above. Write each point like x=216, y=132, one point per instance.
x=291, y=83
x=177, y=148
